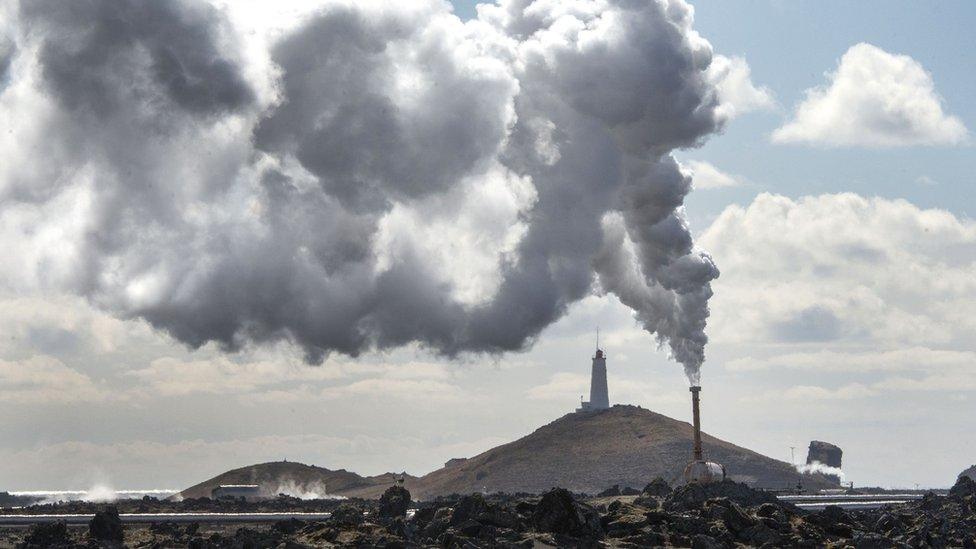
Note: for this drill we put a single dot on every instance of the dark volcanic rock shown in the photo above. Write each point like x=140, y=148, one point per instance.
x=964, y=487
x=346, y=515
x=106, y=525
x=439, y=524
x=404, y=529
x=772, y=511
x=558, y=513
x=622, y=519
x=288, y=527
x=249, y=537
x=737, y=520
x=499, y=517
x=834, y=521
x=692, y=496
x=875, y=541
x=170, y=529
x=658, y=488
x=971, y=473
x=394, y=502
x=825, y=453
x=422, y=516
x=468, y=508
x=47, y=535
x=654, y=493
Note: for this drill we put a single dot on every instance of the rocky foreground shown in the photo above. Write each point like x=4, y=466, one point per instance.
x=711, y=516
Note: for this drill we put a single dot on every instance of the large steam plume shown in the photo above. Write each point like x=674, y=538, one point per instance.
x=379, y=175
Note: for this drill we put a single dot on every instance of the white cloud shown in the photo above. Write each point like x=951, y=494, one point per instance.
x=707, y=176
x=568, y=387
x=738, y=95
x=873, y=99
x=843, y=269
x=813, y=393
x=857, y=297
x=926, y=180
x=894, y=360
x=59, y=324
x=44, y=379
x=940, y=382
x=561, y=386
x=424, y=391
x=171, y=376
x=281, y=379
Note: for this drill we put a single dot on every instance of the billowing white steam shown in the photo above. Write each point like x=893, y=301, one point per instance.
x=817, y=467
x=378, y=175
x=304, y=490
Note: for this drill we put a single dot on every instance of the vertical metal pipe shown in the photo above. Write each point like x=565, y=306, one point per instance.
x=696, y=421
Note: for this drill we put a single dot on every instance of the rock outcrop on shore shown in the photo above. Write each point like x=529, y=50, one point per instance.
x=971, y=473
x=826, y=453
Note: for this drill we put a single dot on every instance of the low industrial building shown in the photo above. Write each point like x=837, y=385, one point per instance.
x=237, y=492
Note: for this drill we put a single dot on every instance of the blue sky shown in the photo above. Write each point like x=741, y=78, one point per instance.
x=789, y=46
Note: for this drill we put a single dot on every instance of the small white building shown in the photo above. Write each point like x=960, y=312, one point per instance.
x=245, y=492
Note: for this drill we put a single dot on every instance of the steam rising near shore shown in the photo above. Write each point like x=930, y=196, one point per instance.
x=306, y=490
x=379, y=174
x=817, y=467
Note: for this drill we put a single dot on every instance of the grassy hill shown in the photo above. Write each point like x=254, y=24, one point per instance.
x=625, y=445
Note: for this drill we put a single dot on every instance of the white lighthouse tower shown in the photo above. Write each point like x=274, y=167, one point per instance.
x=599, y=396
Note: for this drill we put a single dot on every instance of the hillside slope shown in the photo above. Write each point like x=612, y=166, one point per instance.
x=624, y=445
x=296, y=479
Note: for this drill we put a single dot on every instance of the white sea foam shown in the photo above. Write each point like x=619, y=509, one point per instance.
x=97, y=493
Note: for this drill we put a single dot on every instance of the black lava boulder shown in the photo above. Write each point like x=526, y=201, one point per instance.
x=657, y=488
x=106, y=525
x=394, y=502
x=47, y=535
x=558, y=513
